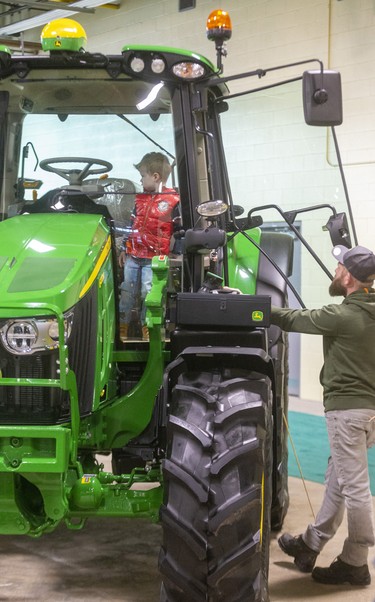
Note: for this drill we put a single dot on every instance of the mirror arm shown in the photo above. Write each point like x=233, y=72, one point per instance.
x=343, y=179
x=258, y=72
x=296, y=232
x=275, y=85
x=290, y=216
x=277, y=268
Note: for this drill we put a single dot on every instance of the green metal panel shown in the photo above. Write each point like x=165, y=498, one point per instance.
x=37, y=273
x=49, y=257
x=243, y=260
x=27, y=449
x=127, y=416
x=33, y=463
x=12, y=520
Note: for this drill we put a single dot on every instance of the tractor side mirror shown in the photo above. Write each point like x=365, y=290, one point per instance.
x=338, y=229
x=322, y=98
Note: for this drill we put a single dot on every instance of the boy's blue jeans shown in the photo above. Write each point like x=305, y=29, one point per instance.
x=134, y=288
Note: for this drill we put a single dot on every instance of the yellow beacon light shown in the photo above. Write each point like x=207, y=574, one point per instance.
x=219, y=25
x=65, y=35
x=219, y=29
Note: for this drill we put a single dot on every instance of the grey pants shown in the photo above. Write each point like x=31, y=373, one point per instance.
x=350, y=433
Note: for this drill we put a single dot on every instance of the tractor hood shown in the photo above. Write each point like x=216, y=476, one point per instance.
x=50, y=259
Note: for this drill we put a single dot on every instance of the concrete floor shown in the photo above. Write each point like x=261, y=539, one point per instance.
x=116, y=561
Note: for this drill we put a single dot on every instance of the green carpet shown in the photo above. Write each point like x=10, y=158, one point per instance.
x=310, y=439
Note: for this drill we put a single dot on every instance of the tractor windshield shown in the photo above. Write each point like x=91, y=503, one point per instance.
x=117, y=139
x=88, y=136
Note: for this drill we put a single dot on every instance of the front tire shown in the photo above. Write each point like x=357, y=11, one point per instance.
x=216, y=512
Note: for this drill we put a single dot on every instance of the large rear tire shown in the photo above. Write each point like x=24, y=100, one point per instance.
x=216, y=512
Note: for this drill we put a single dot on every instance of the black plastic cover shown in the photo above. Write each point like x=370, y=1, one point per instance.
x=223, y=310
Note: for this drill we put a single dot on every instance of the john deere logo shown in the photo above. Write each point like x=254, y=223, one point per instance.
x=257, y=316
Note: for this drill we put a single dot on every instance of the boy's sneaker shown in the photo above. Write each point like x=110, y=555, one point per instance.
x=340, y=572
x=304, y=557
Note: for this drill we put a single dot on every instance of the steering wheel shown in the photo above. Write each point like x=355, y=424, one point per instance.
x=76, y=176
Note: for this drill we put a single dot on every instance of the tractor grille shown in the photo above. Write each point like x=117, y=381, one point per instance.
x=31, y=405
x=50, y=405
x=82, y=348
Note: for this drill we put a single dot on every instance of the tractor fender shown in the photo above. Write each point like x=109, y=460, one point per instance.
x=251, y=359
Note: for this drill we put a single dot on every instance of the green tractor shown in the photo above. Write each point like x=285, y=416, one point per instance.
x=193, y=418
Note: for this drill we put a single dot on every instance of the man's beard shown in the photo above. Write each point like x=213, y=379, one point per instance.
x=336, y=289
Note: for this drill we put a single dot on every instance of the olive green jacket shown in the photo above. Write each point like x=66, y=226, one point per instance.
x=348, y=329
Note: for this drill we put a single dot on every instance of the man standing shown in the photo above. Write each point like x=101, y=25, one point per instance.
x=348, y=380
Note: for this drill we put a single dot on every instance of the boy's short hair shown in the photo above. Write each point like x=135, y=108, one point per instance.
x=155, y=163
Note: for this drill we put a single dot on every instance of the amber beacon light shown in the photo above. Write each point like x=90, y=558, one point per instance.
x=219, y=29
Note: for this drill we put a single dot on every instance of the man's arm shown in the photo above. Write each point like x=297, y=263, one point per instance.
x=324, y=321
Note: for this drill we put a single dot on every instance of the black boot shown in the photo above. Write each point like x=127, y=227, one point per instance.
x=340, y=572
x=304, y=557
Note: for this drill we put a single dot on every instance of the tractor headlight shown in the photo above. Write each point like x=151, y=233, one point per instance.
x=188, y=70
x=157, y=65
x=27, y=336
x=19, y=336
x=165, y=64
x=53, y=330
x=137, y=64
